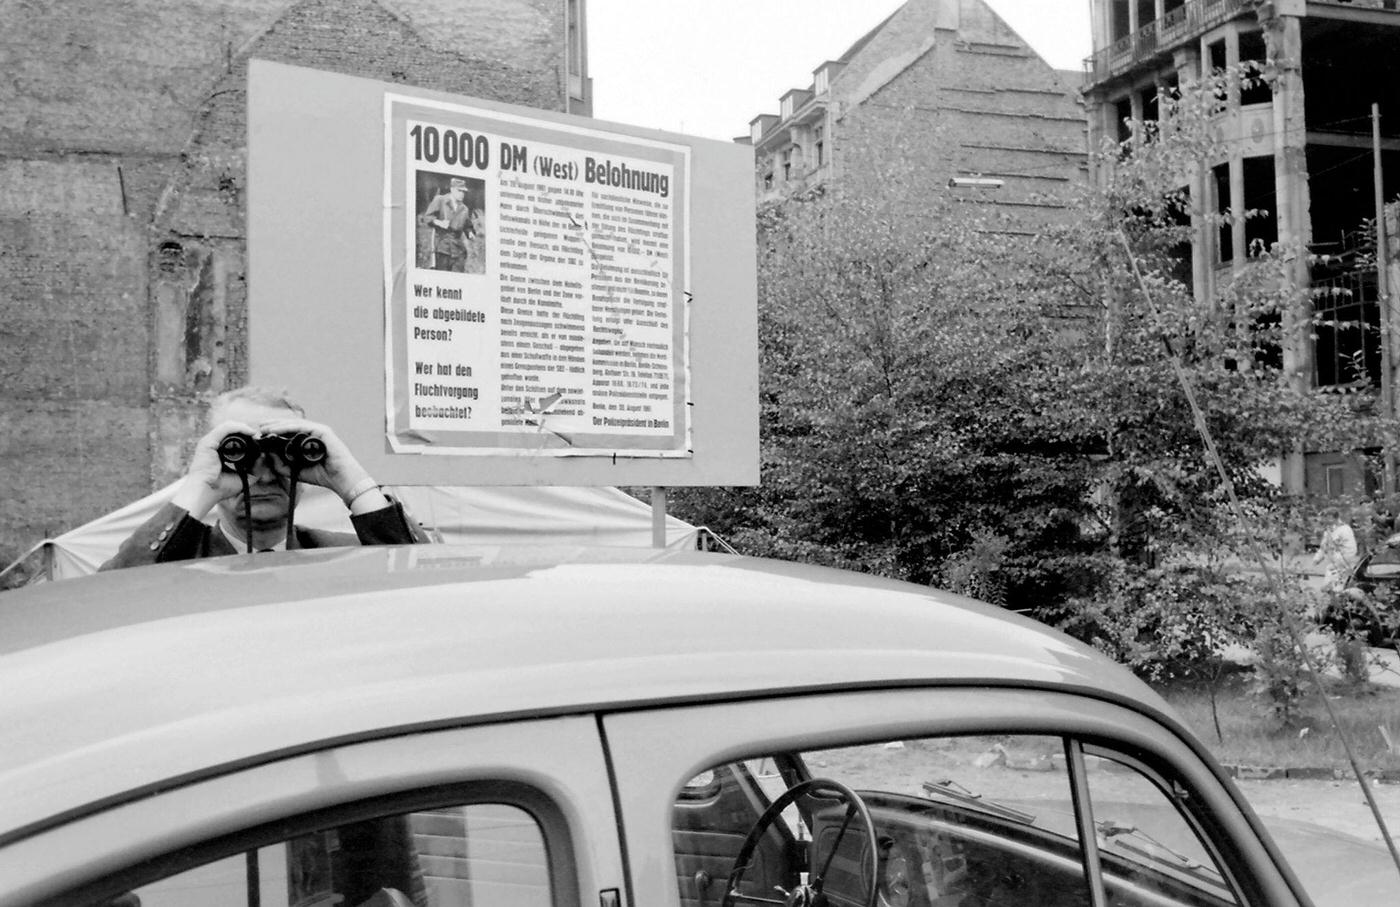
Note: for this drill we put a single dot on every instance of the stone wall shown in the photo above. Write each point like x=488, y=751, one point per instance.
x=122, y=183
x=964, y=107
x=940, y=89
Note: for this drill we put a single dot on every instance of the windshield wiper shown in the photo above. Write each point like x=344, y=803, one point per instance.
x=1135, y=841
x=952, y=790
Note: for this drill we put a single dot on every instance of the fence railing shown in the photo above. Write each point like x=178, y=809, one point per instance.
x=1181, y=24
x=1187, y=20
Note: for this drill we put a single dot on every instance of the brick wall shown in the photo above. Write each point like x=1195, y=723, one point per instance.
x=944, y=88
x=122, y=180
x=961, y=108
x=72, y=346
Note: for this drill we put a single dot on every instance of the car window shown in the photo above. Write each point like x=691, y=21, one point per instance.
x=479, y=855
x=1386, y=554
x=1144, y=837
x=989, y=819
x=952, y=820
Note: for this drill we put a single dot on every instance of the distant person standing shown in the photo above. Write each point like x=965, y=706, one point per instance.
x=1336, y=551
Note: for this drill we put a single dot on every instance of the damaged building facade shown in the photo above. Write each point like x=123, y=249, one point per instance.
x=122, y=209
x=940, y=91
x=1299, y=151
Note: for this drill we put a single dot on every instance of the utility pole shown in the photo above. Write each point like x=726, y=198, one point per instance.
x=1388, y=332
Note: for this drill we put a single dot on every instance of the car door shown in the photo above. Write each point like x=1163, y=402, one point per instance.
x=518, y=813
x=976, y=795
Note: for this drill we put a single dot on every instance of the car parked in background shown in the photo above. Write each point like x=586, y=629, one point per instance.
x=1370, y=602
x=502, y=727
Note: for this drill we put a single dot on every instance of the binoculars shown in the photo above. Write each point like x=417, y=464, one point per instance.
x=239, y=452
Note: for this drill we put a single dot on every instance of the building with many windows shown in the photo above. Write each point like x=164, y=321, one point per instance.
x=1299, y=145
x=940, y=90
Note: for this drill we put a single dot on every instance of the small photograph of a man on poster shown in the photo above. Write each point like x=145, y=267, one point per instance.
x=450, y=223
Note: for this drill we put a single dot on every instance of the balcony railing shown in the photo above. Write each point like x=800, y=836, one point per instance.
x=1363, y=4
x=1194, y=17
x=1173, y=25
x=1181, y=24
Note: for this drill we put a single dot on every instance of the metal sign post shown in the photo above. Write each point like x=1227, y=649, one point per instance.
x=658, y=516
x=1388, y=330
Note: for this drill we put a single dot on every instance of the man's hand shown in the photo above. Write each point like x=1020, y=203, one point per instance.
x=339, y=471
x=206, y=482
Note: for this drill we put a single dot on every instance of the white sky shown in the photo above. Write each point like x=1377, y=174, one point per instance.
x=707, y=67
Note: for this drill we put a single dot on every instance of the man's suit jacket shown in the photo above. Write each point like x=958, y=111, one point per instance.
x=171, y=534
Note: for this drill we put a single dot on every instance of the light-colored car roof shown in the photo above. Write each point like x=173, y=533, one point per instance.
x=120, y=681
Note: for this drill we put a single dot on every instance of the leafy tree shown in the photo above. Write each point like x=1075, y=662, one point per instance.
x=890, y=361
x=948, y=402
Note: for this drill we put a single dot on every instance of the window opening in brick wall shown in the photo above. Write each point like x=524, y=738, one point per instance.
x=1148, y=95
x=1261, y=228
x=1253, y=53
x=1346, y=328
x=1123, y=114
x=1225, y=240
x=1336, y=481
x=1178, y=212
x=1218, y=64
x=1121, y=26
x=1171, y=87
x=1147, y=12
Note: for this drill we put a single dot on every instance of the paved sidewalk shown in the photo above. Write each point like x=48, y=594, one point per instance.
x=1329, y=836
x=1387, y=673
x=1385, y=668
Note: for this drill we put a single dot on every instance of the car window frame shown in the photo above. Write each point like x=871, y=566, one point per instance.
x=1077, y=753
x=646, y=744
x=1186, y=804
x=561, y=757
x=548, y=817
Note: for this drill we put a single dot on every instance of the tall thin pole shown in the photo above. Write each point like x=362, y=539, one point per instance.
x=1383, y=293
x=658, y=516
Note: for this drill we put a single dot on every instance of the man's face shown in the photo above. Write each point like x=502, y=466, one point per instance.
x=269, y=481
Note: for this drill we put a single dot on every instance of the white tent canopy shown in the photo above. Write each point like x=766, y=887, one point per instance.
x=480, y=516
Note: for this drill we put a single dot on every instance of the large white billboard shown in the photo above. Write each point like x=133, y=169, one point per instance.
x=476, y=293
x=534, y=286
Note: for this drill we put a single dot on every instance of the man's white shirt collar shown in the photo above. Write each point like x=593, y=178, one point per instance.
x=240, y=544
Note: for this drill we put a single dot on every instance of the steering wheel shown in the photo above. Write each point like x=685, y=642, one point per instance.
x=811, y=894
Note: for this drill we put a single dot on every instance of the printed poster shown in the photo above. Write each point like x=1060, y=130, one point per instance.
x=535, y=290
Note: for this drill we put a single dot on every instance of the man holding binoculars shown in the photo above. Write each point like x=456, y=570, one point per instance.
x=243, y=470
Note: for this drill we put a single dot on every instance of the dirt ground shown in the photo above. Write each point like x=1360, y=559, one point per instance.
x=1332, y=871
x=1338, y=805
